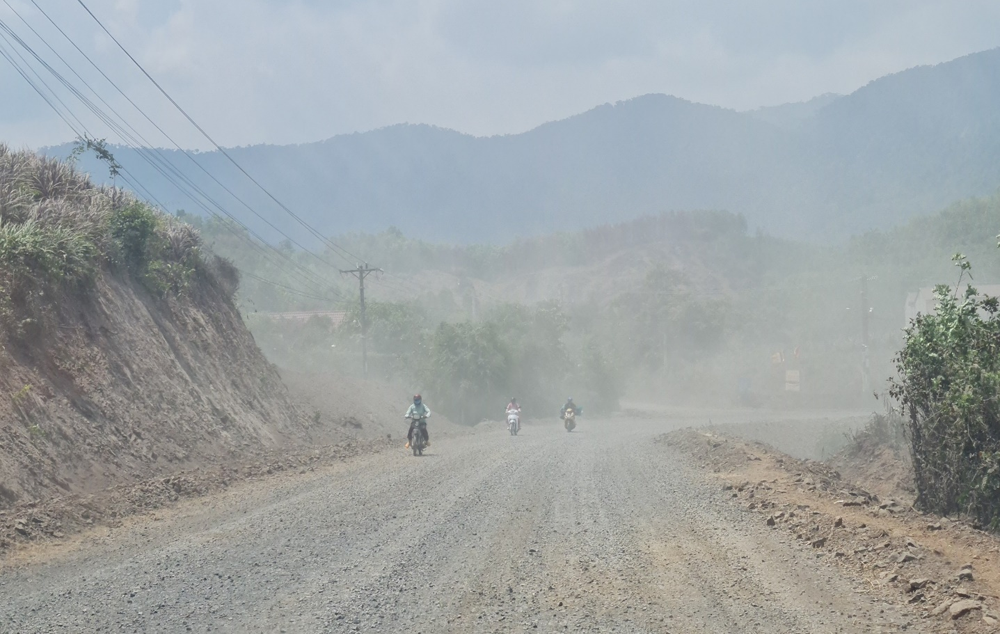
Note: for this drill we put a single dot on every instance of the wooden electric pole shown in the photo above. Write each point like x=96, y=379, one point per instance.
x=865, y=316
x=361, y=272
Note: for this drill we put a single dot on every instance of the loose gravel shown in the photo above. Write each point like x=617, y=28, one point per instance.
x=599, y=530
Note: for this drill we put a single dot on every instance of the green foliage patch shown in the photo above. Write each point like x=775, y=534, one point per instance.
x=57, y=232
x=949, y=387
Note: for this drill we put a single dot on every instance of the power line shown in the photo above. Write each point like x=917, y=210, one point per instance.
x=342, y=252
x=52, y=99
x=157, y=160
x=129, y=139
x=282, y=286
x=38, y=89
x=186, y=153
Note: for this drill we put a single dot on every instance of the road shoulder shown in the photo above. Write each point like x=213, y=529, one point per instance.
x=944, y=571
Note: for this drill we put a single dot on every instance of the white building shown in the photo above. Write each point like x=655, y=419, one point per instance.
x=925, y=302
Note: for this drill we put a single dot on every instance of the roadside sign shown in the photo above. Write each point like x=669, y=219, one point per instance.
x=791, y=380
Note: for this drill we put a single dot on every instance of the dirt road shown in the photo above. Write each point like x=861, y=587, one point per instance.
x=595, y=531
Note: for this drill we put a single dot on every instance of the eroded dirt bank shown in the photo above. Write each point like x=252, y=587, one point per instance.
x=128, y=386
x=343, y=418
x=599, y=530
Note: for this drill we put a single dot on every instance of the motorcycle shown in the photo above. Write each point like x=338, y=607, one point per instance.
x=569, y=419
x=513, y=423
x=419, y=441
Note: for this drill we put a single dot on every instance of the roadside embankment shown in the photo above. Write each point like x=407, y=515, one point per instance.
x=127, y=375
x=944, y=570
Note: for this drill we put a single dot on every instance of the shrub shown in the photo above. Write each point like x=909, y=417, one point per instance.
x=133, y=229
x=881, y=430
x=470, y=370
x=57, y=231
x=599, y=379
x=43, y=254
x=949, y=386
x=161, y=253
x=224, y=274
x=35, y=261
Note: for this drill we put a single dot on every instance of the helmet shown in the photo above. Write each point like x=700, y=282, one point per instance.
x=416, y=399
x=569, y=400
x=513, y=400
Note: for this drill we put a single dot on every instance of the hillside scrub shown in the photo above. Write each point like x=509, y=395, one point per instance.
x=719, y=235
x=57, y=231
x=948, y=385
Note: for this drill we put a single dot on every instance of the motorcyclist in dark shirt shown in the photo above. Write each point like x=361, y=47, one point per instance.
x=569, y=405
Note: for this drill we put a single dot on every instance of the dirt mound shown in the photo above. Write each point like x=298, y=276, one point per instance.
x=878, y=455
x=885, y=470
x=805, y=438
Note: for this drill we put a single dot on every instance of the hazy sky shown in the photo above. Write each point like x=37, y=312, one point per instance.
x=273, y=71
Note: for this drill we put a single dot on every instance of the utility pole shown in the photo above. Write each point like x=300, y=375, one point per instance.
x=865, y=316
x=361, y=272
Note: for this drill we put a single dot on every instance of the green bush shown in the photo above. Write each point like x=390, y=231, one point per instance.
x=161, y=253
x=57, y=231
x=35, y=262
x=470, y=370
x=949, y=386
x=133, y=229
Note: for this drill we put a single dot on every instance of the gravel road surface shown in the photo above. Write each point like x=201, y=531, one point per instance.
x=600, y=530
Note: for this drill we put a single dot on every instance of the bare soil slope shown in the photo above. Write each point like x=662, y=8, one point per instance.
x=122, y=353
x=129, y=386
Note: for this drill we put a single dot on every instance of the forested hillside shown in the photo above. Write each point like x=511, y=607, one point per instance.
x=903, y=145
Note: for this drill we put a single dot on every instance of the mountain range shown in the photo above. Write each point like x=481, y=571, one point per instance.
x=901, y=146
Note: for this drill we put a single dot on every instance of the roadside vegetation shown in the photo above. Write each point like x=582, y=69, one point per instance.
x=949, y=386
x=58, y=232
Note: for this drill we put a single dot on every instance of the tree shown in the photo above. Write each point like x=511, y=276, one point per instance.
x=469, y=368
